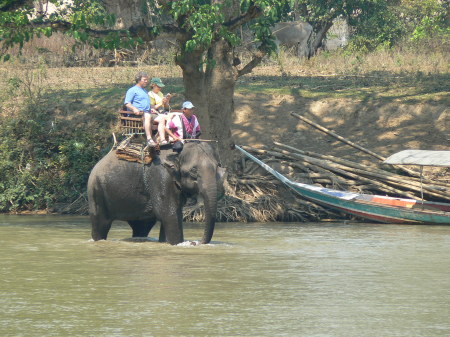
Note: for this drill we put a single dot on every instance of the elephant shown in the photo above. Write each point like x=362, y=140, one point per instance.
x=144, y=194
x=293, y=34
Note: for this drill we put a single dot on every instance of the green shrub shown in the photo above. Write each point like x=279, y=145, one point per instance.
x=42, y=163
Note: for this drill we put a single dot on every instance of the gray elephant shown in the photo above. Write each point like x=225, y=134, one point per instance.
x=143, y=194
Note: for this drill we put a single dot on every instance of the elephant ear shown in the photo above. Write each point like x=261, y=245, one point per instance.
x=172, y=164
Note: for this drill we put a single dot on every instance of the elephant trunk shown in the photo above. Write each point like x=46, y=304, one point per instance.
x=209, y=194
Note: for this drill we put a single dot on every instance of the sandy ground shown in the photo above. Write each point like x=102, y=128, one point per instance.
x=381, y=128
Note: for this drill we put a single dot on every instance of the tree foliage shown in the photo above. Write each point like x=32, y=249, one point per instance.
x=197, y=23
x=425, y=18
x=373, y=23
x=203, y=22
x=41, y=164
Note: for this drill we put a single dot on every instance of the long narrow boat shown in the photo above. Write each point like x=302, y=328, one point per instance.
x=373, y=207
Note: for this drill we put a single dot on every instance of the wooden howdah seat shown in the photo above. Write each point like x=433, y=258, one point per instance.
x=130, y=124
x=134, y=147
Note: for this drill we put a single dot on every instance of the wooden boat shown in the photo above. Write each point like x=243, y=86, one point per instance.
x=373, y=207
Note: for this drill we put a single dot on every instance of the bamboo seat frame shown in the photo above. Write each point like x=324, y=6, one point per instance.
x=131, y=124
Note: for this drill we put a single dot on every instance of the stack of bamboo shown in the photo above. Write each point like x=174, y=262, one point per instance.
x=338, y=173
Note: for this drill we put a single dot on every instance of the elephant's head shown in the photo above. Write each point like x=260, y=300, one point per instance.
x=200, y=173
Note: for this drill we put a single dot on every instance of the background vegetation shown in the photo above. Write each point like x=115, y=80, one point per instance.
x=57, y=118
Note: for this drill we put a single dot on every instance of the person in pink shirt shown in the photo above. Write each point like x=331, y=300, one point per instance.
x=183, y=126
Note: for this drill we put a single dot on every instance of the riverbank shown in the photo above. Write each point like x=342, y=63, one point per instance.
x=58, y=121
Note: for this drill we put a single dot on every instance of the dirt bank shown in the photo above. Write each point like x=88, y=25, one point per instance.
x=383, y=128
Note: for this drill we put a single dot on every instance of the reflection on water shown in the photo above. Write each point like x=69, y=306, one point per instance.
x=254, y=280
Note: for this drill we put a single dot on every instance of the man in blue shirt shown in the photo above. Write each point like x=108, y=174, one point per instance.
x=138, y=101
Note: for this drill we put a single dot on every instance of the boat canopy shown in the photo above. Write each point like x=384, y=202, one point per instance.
x=420, y=157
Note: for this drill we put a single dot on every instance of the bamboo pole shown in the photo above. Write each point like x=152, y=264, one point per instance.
x=354, y=164
x=335, y=135
x=193, y=140
x=369, y=170
x=396, y=181
x=322, y=164
x=343, y=170
x=325, y=157
x=348, y=142
x=317, y=175
x=311, y=206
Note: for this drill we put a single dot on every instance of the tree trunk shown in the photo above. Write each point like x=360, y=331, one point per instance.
x=212, y=91
x=194, y=82
x=221, y=80
x=209, y=87
x=128, y=12
x=316, y=38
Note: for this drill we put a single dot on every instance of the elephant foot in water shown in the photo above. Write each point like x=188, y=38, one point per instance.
x=189, y=243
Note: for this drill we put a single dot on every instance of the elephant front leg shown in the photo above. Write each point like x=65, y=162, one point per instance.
x=172, y=229
x=141, y=228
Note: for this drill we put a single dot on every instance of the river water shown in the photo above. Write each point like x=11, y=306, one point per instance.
x=269, y=279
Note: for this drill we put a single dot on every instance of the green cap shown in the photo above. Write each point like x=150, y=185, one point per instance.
x=157, y=81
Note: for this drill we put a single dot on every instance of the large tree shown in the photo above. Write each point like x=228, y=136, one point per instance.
x=371, y=17
x=207, y=33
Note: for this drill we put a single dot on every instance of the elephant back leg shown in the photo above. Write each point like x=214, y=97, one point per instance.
x=100, y=227
x=141, y=228
x=162, y=234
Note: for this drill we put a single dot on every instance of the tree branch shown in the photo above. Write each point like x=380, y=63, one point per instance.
x=316, y=38
x=252, y=13
x=256, y=60
x=144, y=32
x=13, y=4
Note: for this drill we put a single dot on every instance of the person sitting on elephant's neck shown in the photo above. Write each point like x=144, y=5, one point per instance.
x=184, y=126
x=138, y=101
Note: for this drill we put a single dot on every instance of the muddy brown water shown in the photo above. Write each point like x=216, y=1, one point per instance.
x=265, y=279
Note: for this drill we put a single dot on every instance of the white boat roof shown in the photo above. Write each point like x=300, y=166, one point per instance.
x=419, y=157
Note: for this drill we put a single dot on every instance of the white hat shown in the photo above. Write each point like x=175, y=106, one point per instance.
x=188, y=105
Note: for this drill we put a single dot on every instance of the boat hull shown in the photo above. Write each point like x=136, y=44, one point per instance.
x=374, y=211
x=373, y=207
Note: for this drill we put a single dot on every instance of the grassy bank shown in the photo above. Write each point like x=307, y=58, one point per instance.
x=410, y=75
x=57, y=122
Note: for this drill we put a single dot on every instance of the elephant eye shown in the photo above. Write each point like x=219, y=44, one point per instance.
x=193, y=172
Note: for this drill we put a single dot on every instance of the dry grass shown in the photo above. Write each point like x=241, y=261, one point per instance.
x=72, y=88
x=428, y=57
x=248, y=199
x=63, y=51
x=256, y=198
x=394, y=61
x=85, y=77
